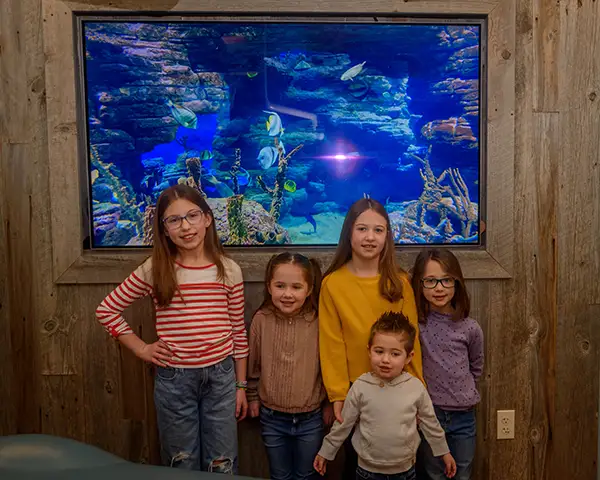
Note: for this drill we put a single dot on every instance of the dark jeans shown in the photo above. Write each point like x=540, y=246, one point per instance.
x=362, y=474
x=195, y=408
x=461, y=437
x=292, y=442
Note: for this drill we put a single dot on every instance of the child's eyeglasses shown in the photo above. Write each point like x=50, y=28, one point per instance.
x=173, y=222
x=429, y=283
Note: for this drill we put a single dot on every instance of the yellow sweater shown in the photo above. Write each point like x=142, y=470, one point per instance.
x=348, y=307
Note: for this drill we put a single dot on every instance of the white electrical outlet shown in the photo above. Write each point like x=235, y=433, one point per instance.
x=506, y=424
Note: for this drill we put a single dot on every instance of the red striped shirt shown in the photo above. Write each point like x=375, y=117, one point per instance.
x=203, y=324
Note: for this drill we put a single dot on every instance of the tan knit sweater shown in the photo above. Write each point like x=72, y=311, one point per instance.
x=284, y=371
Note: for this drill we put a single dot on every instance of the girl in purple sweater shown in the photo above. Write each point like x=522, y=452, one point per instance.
x=452, y=350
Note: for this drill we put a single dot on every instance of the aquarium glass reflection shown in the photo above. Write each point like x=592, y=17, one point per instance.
x=282, y=126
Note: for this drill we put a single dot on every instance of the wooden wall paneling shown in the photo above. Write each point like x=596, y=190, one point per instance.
x=544, y=18
x=345, y=6
x=479, y=293
x=576, y=402
x=134, y=402
x=103, y=383
x=500, y=133
x=61, y=373
x=509, y=379
x=8, y=381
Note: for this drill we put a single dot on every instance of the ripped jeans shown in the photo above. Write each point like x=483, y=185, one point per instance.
x=195, y=409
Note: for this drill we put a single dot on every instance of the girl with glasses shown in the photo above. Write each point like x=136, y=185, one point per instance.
x=202, y=348
x=452, y=350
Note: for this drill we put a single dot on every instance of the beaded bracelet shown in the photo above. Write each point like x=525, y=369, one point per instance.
x=241, y=385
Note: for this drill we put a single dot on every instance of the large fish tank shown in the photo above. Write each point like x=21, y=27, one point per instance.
x=282, y=124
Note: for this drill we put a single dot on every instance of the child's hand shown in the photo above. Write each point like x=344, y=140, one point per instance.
x=241, y=404
x=157, y=353
x=320, y=464
x=327, y=414
x=450, y=465
x=254, y=409
x=337, y=410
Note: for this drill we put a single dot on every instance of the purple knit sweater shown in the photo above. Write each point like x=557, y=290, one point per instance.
x=452, y=360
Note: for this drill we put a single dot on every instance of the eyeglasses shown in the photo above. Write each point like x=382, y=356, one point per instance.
x=173, y=222
x=430, y=283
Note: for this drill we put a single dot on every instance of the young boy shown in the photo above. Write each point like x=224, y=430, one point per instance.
x=385, y=403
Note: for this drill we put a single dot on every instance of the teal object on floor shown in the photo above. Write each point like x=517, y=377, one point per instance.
x=45, y=457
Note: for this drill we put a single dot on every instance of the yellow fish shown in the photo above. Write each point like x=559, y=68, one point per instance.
x=94, y=175
x=252, y=74
x=290, y=186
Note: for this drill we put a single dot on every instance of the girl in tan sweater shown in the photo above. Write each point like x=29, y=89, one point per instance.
x=285, y=387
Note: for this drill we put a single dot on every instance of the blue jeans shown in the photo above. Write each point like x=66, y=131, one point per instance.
x=195, y=409
x=461, y=437
x=362, y=474
x=292, y=442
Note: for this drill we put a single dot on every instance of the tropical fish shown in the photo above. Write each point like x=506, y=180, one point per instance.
x=290, y=186
x=206, y=155
x=386, y=95
x=243, y=177
x=273, y=124
x=251, y=74
x=212, y=185
x=352, y=72
x=94, y=175
x=183, y=115
x=267, y=156
x=302, y=65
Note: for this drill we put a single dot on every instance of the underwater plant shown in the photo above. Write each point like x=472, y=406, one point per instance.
x=235, y=218
x=122, y=193
x=277, y=191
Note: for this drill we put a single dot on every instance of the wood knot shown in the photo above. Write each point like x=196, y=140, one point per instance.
x=37, y=85
x=592, y=96
x=50, y=326
x=535, y=435
x=585, y=346
x=506, y=54
x=108, y=387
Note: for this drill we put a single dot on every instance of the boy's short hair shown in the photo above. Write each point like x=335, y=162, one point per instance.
x=394, y=323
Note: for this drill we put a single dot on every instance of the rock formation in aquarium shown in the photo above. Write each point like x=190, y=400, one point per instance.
x=224, y=106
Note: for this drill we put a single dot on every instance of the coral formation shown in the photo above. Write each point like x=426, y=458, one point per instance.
x=277, y=192
x=130, y=210
x=449, y=201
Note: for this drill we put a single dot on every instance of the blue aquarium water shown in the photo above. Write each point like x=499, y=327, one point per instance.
x=282, y=126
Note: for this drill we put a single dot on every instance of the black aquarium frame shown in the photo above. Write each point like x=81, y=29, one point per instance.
x=84, y=160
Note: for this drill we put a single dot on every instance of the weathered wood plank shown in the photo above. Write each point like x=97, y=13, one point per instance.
x=109, y=267
x=63, y=406
x=576, y=399
x=546, y=22
x=15, y=36
x=510, y=378
x=8, y=387
x=479, y=293
x=344, y=6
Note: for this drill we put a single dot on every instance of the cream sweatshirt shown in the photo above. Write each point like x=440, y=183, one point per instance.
x=385, y=414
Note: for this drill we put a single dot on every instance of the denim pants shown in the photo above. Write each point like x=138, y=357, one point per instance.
x=461, y=437
x=195, y=409
x=292, y=442
x=362, y=474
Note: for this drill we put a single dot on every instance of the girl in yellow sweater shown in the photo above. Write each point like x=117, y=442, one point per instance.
x=362, y=283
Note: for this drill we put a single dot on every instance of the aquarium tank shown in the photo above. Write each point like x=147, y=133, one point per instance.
x=282, y=124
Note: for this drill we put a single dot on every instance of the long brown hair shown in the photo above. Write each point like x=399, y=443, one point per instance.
x=164, y=250
x=312, y=276
x=390, y=283
x=460, y=302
